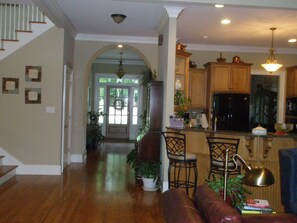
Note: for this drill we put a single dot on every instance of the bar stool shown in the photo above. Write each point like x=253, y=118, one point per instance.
x=180, y=160
x=217, y=148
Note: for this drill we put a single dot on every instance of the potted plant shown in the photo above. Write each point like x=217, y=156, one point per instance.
x=181, y=102
x=132, y=160
x=150, y=172
x=94, y=134
x=236, y=192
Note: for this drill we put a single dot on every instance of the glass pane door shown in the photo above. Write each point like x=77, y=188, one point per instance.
x=118, y=99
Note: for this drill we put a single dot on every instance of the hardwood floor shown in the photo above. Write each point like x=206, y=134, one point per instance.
x=102, y=190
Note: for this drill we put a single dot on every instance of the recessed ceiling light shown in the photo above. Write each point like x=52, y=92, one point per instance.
x=292, y=40
x=219, y=6
x=205, y=37
x=225, y=21
x=120, y=46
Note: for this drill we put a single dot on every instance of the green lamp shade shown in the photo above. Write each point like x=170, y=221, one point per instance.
x=258, y=177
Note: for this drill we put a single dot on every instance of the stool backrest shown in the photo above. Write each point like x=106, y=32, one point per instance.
x=218, y=147
x=175, y=145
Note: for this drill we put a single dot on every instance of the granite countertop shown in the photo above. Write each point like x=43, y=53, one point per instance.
x=226, y=132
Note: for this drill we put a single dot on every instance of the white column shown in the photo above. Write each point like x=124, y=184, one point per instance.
x=167, y=28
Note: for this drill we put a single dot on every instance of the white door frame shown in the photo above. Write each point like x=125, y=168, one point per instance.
x=66, y=121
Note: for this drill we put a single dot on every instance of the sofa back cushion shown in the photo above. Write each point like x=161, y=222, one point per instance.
x=178, y=207
x=213, y=208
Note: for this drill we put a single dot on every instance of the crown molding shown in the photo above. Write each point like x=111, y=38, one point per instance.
x=285, y=4
x=116, y=61
x=117, y=39
x=238, y=49
x=54, y=12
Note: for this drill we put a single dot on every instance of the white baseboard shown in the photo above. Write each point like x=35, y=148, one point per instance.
x=165, y=186
x=24, y=169
x=76, y=158
x=39, y=170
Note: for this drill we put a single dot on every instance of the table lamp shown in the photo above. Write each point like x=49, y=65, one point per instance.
x=254, y=176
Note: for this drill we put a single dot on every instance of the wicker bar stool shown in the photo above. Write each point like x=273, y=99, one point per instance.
x=180, y=160
x=217, y=151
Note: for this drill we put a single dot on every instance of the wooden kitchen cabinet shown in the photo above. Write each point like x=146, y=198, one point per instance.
x=291, y=82
x=229, y=77
x=181, y=83
x=182, y=71
x=197, y=87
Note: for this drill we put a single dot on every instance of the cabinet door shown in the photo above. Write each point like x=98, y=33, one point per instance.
x=291, y=82
x=197, y=88
x=181, y=74
x=220, y=80
x=240, y=79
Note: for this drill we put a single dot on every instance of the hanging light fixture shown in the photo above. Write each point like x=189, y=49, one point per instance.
x=118, y=18
x=120, y=71
x=271, y=64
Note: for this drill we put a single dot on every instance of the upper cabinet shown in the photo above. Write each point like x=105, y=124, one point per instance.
x=229, y=77
x=197, y=87
x=182, y=71
x=291, y=81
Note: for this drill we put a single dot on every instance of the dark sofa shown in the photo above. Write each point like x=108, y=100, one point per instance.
x=209, y=207
x=288, y=173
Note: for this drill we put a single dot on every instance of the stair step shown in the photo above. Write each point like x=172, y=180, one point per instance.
x=10, y=40
x=24, y=31
x=6, y=173
x=1, y=159
x=35, y=22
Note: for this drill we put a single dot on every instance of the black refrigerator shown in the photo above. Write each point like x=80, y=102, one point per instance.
x=231, y=112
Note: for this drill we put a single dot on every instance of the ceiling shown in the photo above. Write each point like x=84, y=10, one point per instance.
x=251, y=21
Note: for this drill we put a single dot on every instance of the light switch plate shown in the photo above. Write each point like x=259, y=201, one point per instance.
x=50, y=109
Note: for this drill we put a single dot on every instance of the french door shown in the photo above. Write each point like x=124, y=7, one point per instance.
x=118, y=110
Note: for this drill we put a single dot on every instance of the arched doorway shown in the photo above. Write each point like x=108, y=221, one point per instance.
x=121, y=99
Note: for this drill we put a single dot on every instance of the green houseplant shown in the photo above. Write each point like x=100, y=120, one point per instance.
x=132, y=160
x=181, y=102
x=94, y=134
x=150, y=172
x=235, y=189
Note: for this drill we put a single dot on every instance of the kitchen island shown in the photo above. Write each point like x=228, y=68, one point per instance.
x=255, y=150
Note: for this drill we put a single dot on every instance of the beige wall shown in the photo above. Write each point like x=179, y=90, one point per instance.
x=85, y=54
x=27, y=132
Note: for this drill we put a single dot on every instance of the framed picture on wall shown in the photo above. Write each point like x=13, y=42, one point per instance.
x=32, y=95
x=33, y=74
x=10, y=85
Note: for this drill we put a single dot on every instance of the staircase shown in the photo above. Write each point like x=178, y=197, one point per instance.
x=20, y=24
x=6, y=172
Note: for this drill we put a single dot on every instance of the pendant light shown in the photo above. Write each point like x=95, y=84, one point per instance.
x=120, y=71
x=271, y=64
